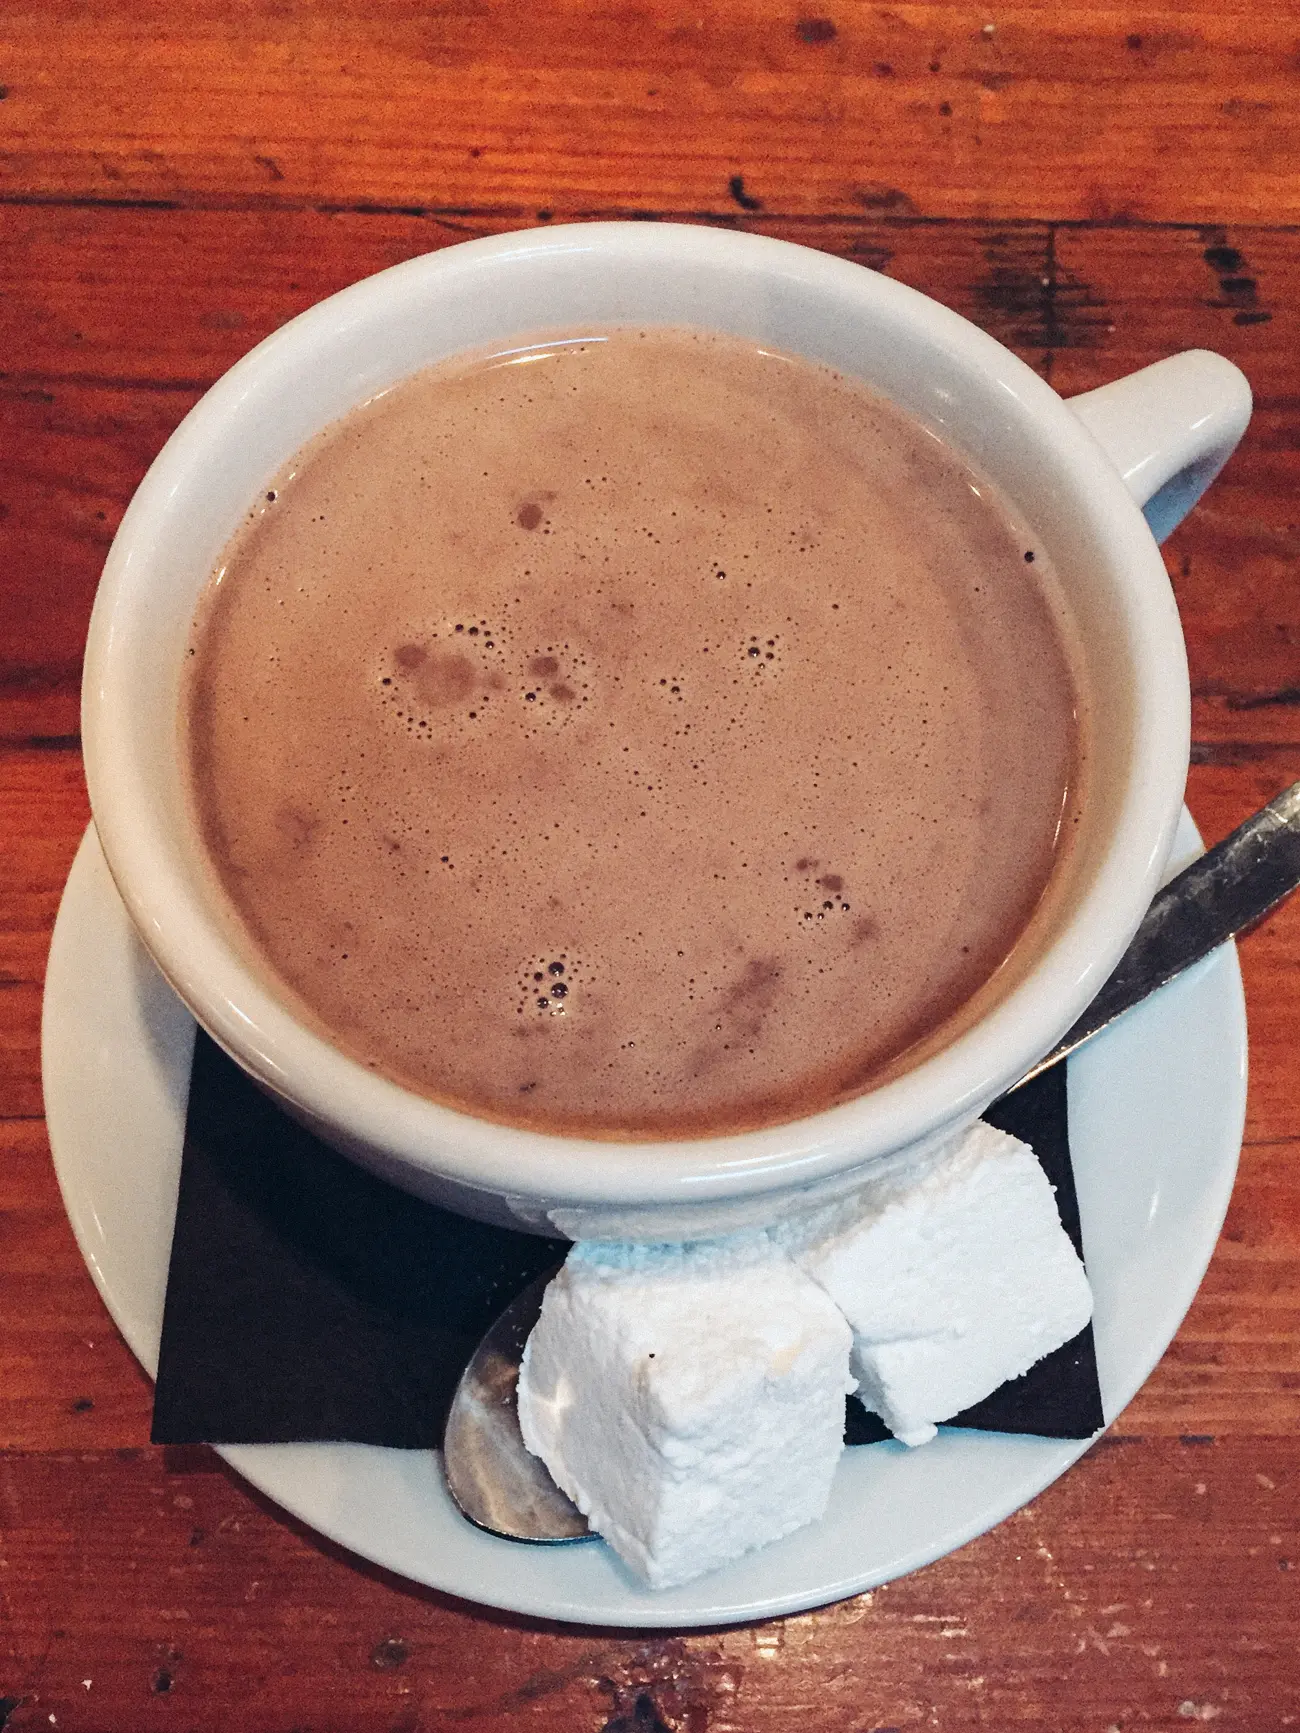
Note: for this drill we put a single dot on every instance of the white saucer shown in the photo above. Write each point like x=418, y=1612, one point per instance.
x=1156, y=1113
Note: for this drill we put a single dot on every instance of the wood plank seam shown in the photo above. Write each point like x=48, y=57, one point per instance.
x=716, y=216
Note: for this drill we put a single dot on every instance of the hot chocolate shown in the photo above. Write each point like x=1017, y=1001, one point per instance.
x=640, y=734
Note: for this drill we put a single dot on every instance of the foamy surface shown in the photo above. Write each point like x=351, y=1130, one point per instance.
x=639, y=735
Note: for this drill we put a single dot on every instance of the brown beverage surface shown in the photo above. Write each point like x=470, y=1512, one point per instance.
x=641, y=735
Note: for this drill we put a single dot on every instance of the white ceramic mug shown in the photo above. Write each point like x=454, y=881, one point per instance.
x=1079, y=474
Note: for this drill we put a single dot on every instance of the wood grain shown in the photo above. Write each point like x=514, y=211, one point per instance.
x=1187, y=112
x=1100, y=1604
x=96, y=381
x=73, y=457
x=43, y=811
x=208, y=284
x=70, y=1381
x=1095, y=185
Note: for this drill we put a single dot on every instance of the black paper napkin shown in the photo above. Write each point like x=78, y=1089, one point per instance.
x=308, y=1301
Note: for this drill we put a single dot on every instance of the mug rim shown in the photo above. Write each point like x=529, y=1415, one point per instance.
x=340, y=1094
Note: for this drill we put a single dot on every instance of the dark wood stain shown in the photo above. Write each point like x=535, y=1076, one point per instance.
x=815, y=30
x=1030, y=302
x=889, y=200
x=1238, y=289
x=643, y=1717
x=667, y=1686
x=746, y=201
x=870, y=253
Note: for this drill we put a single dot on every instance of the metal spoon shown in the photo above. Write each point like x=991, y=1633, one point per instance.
x=491, y=1475
x=1228, y=889
x=501, y=1487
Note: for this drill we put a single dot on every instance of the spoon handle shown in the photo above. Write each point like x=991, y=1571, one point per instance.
x=1228, y=888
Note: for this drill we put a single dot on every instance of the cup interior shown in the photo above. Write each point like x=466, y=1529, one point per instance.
x=927, y=360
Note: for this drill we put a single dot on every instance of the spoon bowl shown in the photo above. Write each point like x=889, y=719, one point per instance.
x=495, y=1480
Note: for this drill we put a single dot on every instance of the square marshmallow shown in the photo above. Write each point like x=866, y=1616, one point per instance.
x=954, y=1279
x=688, y=1398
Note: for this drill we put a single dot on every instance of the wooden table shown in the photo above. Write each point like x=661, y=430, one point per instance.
x=1095, y=185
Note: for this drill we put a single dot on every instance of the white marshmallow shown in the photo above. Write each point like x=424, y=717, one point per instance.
x=688, y=1398
x=954, y=1280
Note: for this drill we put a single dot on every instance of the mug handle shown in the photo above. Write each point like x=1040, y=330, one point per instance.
x=1169, y=429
